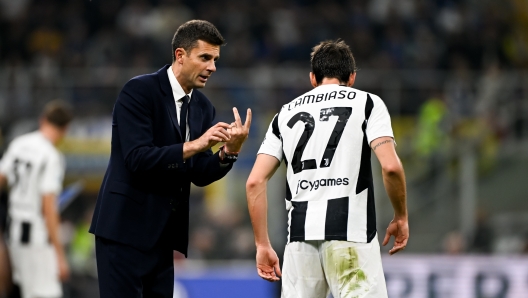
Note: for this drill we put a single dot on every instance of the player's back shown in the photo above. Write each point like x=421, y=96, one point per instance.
x=325, y=136
x=323, y=133
x=33, y=167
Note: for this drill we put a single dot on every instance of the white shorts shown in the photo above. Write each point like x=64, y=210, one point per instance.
x=35, y=270
x=313, y=269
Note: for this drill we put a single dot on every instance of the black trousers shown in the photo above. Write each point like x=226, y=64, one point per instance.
x=125, y=272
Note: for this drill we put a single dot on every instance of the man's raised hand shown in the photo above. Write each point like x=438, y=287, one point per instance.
x=238, y=131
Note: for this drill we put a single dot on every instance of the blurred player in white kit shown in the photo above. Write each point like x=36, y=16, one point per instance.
x=33, y=169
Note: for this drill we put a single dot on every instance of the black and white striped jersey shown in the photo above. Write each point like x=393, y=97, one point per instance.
x=34, y=168
x=324, y=136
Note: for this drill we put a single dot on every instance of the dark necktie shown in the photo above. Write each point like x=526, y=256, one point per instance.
x=183, y=116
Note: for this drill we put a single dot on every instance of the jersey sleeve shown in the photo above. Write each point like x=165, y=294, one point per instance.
x=379, y=122
x=6, y=165
x=52, y=175
x=272, y=144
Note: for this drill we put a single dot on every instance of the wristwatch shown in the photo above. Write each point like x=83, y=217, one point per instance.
x=227, y=157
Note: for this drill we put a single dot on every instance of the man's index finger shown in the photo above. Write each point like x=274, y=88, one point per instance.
x=237, y=116
x=248, y=119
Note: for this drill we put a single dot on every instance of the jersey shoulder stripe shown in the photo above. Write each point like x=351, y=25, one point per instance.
x=275, y=126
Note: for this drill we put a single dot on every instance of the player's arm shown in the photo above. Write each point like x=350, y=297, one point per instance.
x=52, y=220
x=3, y=181
x=394, y=181
x=267, y=260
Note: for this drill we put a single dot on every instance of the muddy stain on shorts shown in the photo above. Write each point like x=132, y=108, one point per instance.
x=352, y=280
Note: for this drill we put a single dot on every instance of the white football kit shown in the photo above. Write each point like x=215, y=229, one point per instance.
x=324, y=137
x=33, y=167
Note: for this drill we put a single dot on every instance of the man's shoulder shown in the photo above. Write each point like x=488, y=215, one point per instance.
x=141, y=89
x=147, y=81
x=143, y=81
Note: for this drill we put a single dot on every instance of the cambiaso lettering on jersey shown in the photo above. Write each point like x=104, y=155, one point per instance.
x=33, y=167
x=324, y=138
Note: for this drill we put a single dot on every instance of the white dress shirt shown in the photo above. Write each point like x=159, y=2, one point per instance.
x=178, y=93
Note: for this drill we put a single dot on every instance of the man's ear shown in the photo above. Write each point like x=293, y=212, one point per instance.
x=178, y=54
x=351, y=79
x=313, y=81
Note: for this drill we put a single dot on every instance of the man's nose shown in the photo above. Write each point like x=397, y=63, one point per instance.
x=211, y=66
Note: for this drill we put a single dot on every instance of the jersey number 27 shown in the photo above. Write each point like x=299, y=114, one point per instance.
x=343, y=114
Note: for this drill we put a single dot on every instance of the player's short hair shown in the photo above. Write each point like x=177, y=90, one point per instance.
x=57, y=113
x=190, y=32
x=332, y=59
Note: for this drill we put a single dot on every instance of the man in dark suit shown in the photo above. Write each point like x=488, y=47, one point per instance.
x=162, y=132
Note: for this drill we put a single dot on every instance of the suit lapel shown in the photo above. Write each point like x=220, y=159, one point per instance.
x=171, y=109
x=168, y=98
x=195, y=117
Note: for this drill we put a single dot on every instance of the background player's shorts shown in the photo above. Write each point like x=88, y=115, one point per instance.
x=35, y=270
x=312, y=269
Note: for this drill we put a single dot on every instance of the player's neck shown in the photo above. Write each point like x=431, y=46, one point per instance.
x=330, y=81
x=50, y=133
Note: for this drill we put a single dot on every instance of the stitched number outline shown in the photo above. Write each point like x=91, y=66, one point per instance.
x=21, y=172
x=343, y=114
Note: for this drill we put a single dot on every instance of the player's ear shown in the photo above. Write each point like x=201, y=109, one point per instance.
x=351, y=79
x=313, y=81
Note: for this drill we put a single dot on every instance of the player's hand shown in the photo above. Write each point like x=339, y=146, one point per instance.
x=218, y=133
x=399, y=228
x=238, y=131
x=64, y=269
x=268, y=264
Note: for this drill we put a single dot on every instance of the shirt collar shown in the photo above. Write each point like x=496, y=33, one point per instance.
x=177, y=90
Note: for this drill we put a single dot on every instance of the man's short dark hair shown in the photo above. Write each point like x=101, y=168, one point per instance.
x=190, y=32
x=332, y=59
x=57, y=113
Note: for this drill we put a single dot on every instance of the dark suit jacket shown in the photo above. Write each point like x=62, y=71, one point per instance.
x=147, y=179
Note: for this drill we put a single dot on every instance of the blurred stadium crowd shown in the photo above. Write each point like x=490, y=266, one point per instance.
x=468, y=43
x=383, y=34
x=449, y=70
